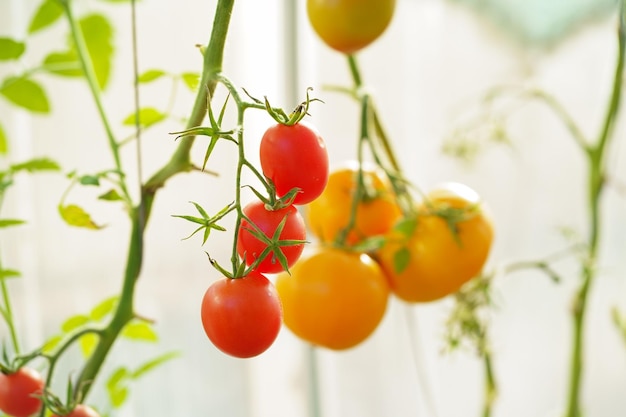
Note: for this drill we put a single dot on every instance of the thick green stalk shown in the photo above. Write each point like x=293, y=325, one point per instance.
x=596, y=172
x=491, y=389
x=180, y=162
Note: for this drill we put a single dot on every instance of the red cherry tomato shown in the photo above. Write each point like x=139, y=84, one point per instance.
x=250, y=247
x=242, y=316
x=295, y=156
x=20, y=392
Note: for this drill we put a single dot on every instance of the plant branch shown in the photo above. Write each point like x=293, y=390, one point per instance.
x=179, y=162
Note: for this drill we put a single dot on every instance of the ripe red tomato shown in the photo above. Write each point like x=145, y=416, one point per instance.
x=80, y=410
x=350, y=25
x=295, y=156
x=19, y=392
x=242, y=316
x=250, y=247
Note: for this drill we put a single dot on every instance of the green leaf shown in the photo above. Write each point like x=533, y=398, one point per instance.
x=117, y=387
x=74, y=323
x=25, y=93
x=406, y=226
x=11, y=222
x=154, y=363
x=90, y=180
x=48, y=12
x=11, y=49
x=401, y=259
x=191, y=80
x=111, y=195
x=76, y=216
x=150, y=75
x=98, y=34
x=51, y=343
x=148, y=116
x=140, y=331
x=9, y=273
x=4, y=143
x=103, y=309
x=63, y=63
x=36, y=164
x=88, y=344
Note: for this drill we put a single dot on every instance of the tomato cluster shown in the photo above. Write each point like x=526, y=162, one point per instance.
x=336, y=297
x=242, y=315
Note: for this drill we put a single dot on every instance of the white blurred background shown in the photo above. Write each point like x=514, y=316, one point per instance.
x=427, y=72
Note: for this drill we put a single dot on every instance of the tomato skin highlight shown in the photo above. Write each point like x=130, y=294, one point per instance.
x=333, y=298
x=348, y=26
x=330, y=213
x=295, y=156
x=18, y=392
x=80, y=410
x=242, y=316
x=438, y=263
x=268, y=221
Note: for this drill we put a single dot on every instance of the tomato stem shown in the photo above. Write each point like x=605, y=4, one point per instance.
x=596, y=177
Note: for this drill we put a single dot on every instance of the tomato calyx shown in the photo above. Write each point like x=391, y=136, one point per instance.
x=206, y=222
x=296, y=115
x=272, y=244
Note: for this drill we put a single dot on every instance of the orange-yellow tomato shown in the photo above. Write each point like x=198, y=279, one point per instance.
x=333, y=298
x=350, y=25
x=433, y=256
x=376, y=213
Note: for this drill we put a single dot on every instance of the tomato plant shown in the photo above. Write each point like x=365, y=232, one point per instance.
x=350, y=25
x=20, y=391
x=295, y=156
x=432, y=255
x=376, y=212
x=286, y=221
x=242, y=316
x=80, y=410
x=333, y=298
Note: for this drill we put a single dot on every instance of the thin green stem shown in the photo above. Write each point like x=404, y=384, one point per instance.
x=92, y=81
x=491, y=388
x=8, y=315
x=596, y=155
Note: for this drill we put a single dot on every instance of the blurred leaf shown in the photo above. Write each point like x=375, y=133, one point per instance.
x=4, y=143
x=154, y=363
x=76, y=216
x=48, y=12
x=37, y=164
x=147, y=117
x=401, y=259
x=9, y=273
x=11, y=49
x=87, y=344
x=140, y=331
x=74, y=323
x=117, y=387
x=110, y=195
x=98, y=34
x=90, y=180
x=63, y=63
x=51, y=343
x=103, y=309
x=11, y=222
x=406, y=226
x=25, y=93
x=151, y=75
x=191, y=80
